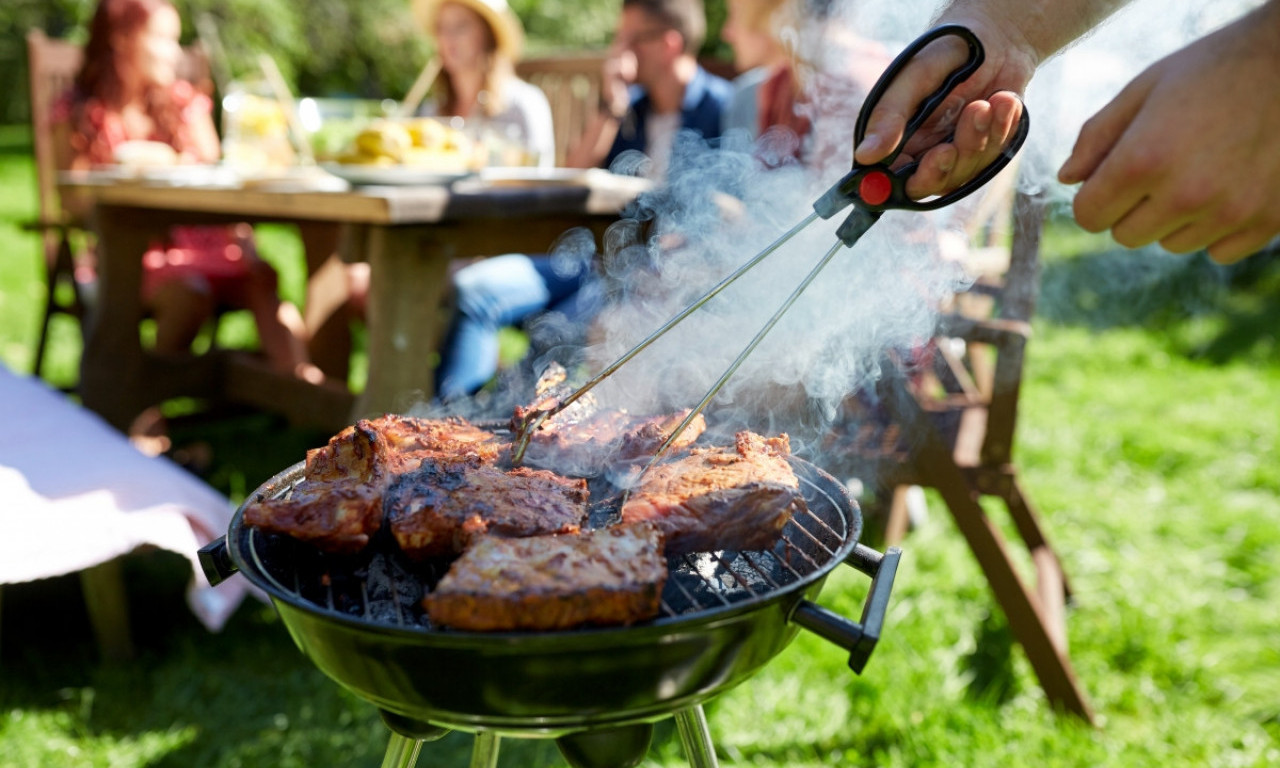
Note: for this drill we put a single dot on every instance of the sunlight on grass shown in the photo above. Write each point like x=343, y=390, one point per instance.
x=1148, y=438
x=58, y=739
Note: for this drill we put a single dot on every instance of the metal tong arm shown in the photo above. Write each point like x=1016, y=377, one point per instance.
x=742, y=356
x=536, y=417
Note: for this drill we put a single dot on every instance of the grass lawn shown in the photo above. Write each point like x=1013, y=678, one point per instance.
x=1149, y=438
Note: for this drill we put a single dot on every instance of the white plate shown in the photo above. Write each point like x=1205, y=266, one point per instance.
x=301, y=179
x=393, y=175
x=531, y=175
x=215, y=176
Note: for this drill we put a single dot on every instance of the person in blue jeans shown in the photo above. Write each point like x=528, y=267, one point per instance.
x=654, y=89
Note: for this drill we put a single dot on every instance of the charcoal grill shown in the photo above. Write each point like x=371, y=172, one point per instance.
x=597, y=691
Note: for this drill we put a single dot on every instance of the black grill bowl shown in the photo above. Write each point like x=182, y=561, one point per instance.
x=725, y=616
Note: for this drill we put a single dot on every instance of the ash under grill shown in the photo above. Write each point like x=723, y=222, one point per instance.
x=385, y=589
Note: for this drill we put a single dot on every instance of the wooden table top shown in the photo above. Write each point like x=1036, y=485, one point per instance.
x=592, y=191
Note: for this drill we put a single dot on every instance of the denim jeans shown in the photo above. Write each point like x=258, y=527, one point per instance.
x=502, y=291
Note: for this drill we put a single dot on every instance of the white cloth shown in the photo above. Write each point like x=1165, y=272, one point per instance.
x=75, y=493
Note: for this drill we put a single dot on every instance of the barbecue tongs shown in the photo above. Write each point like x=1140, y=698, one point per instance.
x=870, y=189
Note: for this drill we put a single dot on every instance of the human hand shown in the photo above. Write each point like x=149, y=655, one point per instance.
x=983, y=111
x=1189, y=153
x=619, y=71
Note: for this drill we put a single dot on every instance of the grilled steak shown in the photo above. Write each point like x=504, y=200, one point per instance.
x=373, y=450
x=587, y=446
x=338, y=505
x=716, y=498
x=338, y=517
x=608, y=576
x=438, y=508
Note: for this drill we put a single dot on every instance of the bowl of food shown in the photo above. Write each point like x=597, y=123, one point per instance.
x=417, y=150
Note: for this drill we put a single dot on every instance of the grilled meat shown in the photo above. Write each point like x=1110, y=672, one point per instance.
x=339, y=503
x=438, y=508
x=716, y=498
x=337, y=517
x=608, y=576
x=374, y=450
x=606, y=439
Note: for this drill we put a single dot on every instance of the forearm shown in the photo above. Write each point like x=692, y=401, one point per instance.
x=1040, y=27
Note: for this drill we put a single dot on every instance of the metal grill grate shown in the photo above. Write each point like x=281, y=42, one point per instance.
x=384, y=589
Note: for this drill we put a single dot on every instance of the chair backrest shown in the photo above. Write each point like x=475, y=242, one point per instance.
x=572, y=85
x=52, y=65
x=993, y=319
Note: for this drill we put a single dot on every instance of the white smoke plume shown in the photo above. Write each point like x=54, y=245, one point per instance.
x=720, y=208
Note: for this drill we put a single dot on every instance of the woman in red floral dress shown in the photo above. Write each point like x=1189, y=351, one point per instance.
x=127, y=91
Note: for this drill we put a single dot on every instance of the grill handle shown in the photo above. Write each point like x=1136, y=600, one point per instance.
x=215, y=561
x=859, y=639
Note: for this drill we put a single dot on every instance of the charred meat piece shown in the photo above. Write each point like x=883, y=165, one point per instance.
x=374, y=449
x=339, y=503
x=438, y=508
x=716, y=498
x=595, y=443
x=337, y=517
x=607, y=576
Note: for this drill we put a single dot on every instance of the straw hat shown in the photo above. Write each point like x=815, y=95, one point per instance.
x=507, y=30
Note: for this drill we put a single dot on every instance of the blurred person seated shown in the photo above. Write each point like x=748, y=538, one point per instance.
x=127, y=105
x=478, y=43
x=751, y=28
x=653, y=87
x=655, y=91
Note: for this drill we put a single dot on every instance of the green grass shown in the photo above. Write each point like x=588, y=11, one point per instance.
x=1149, y=437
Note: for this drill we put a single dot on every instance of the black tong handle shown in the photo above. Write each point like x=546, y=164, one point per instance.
x=878, y=187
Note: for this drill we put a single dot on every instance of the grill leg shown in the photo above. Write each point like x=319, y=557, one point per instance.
x=485, y=752
x=402, y=752
x=696, y=737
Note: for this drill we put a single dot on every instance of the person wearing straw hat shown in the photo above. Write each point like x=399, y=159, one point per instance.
x=655, y=90
x=478, y=43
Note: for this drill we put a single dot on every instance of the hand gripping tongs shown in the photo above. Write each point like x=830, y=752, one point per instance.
x=870, y=189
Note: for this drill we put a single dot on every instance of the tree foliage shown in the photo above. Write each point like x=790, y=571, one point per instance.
x=367, y=48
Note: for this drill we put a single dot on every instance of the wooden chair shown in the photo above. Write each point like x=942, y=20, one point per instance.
x=951, y=426
x=52, y=65
x=572, y=85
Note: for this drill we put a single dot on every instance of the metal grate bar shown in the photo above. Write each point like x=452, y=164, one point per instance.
x=712, y=586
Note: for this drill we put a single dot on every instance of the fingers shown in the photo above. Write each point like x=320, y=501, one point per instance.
x=1206, y=227
x=1235, y=247
x=982, y=132
x=888, y=120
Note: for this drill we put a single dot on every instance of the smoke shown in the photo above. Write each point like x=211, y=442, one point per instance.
x=719, y=208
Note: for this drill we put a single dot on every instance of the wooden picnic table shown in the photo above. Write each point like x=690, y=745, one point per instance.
x=408, y=235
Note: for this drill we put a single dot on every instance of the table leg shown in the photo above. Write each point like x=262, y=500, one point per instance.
x=408, y=282
x=111, y=367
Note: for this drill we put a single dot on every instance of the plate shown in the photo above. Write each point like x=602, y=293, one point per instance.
x=529, y=175
x=212, y=176
x=302, y=179
x=393, y=175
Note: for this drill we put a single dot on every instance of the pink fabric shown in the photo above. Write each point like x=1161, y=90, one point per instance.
x=213, y=254
x=77, y=494
x=96, y=129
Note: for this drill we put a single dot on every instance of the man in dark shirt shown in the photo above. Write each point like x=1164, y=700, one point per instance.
x=653, y=87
